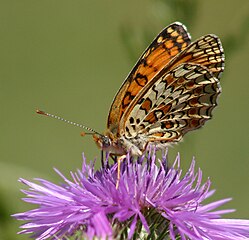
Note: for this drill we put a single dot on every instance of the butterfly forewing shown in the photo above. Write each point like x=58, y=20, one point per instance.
x=206, y=51
x=172, y=40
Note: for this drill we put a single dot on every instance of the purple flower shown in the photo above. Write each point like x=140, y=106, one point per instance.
x=151, y=201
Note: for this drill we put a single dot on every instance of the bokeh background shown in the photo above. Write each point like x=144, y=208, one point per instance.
x=70, y=57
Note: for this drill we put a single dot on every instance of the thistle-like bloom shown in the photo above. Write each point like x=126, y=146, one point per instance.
x=152, y=202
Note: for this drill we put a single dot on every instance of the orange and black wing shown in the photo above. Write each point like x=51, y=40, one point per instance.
x=206, y=51
x=172, y=40
x=180, y=98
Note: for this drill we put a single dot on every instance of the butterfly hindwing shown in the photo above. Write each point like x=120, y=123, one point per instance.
x=180, y=101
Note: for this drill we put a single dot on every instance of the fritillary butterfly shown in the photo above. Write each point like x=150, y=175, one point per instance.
x=172, y=90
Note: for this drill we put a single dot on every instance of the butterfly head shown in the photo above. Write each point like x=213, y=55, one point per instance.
x=109, y=143
x=102, y=141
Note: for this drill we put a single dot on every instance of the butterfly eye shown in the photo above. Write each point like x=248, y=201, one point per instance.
x=106, y=142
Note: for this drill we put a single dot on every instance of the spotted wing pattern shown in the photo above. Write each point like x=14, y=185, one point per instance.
x=206, y=52
x=179, y=101
x=172, y=40
x=171, y=90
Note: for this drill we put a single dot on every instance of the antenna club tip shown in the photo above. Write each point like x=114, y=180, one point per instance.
x=40, y=112
x=82, y=134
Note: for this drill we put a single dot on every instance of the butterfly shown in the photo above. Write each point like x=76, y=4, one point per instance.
x=172, y=89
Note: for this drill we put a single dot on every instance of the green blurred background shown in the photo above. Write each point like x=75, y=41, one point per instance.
x=70, y=57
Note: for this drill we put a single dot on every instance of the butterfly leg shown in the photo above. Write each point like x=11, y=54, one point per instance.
x=119, y=160
x=114, y=158
x=102, y=159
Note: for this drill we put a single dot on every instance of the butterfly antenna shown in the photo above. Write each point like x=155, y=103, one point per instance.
x=67, y=121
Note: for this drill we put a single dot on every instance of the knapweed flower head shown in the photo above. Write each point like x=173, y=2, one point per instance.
x=153, y=201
